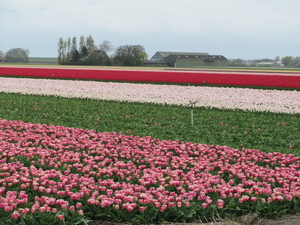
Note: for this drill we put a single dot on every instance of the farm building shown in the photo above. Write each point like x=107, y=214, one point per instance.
x=155, y=62
x=190, y=59
x=270, y=64
x=96, y=57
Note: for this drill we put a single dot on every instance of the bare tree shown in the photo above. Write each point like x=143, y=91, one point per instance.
x=106, y=46
x=68, y=44
x=90, y=44
x=60, y=50
x=81, y=42
x=74, y=45
x=65, y=53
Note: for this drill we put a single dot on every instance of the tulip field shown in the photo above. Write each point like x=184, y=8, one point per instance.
x=264, y=79
x=72, y=151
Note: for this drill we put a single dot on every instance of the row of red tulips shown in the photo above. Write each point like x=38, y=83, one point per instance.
x=196, y=77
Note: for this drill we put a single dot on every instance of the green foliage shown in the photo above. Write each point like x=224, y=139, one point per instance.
x=287, y=61
x=290, y=61
x=75, y=56
x=68, y=53
x=17, y=55
x=130, y=55
x=83, y=52
x=46, y=218
x=268, y=132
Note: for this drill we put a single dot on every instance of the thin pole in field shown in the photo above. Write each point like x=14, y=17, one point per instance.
x=192, y=105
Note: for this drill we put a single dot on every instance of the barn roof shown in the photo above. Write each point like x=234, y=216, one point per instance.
x=195, y=56
x=188, y=55
x=166, y=54
x=95, y=53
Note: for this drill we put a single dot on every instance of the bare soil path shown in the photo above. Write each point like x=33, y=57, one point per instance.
x=293, y=219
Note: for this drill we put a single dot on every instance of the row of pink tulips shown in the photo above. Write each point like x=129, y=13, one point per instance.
x=73, y=169
x=230, y=98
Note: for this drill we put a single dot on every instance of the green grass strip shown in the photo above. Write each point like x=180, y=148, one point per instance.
x=268, y=132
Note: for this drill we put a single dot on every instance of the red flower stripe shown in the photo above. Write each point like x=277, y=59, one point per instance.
x=221, y=78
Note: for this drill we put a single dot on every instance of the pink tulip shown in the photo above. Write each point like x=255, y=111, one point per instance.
x=60, y=217
x=15, y=215
x=142, y=208
x=78, y=205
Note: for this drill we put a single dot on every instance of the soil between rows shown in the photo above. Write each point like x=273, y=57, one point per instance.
x=289, y=219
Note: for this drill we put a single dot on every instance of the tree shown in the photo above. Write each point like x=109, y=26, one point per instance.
x=287, y=61
x=68, y=49
x=267, y=60
x=81, y=42
x=17, y=55
x=74, y=45
x=106, y=46
x=297, y=61
x=130, y=55
x=2, y=55
x=60, y=50
x=75, y=56
x=66, y=54
x=90, y=44
x=235, y=62
x=142, y=57
x=83, y=52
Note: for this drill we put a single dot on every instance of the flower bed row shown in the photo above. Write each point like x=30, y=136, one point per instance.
x=229, y=78
x=64, y=175
x=230, y=98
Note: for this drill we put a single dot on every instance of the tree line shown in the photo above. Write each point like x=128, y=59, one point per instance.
x=86, y=52
x=15, y=55
x=288, y=61
x=72, y=51
x=68, y=50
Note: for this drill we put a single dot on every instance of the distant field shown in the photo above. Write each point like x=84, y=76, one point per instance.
x=45, y=60
x=53, y=62
x=282, y=79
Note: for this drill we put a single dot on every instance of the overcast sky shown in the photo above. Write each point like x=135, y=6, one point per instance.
x=247, y=29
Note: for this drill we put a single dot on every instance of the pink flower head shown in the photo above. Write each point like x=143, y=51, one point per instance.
x=78, y=205
x=15, y=215
x=220, y=203
x=163, y=208
x=253, y=199
x=42, y=209
x=61, y=217
x=171, y=204
x=54, y=210
x=204, y=205
x=142, y=208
